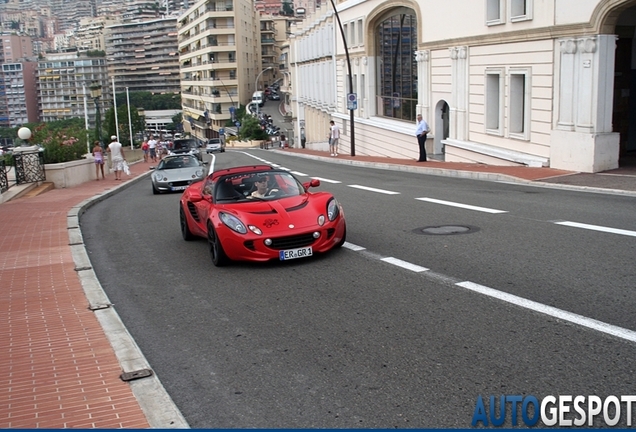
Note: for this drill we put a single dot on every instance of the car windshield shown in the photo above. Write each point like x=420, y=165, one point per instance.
x=255, y=186
x=178, y=162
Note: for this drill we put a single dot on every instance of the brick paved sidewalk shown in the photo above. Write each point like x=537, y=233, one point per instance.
x=57, y=367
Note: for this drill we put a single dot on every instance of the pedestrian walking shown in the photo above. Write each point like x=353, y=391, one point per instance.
x=152, y=146
x=333, y=138
x=145, y=148
x=421, y=132
x=117, y=157
x=98, y=154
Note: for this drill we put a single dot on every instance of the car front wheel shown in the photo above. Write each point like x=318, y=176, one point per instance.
x=217, y=253
x=185, y=229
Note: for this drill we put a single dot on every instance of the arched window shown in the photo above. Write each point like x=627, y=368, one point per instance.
x=397, y=69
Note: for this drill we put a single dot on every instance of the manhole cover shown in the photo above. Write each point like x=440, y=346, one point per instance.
x=446, y=230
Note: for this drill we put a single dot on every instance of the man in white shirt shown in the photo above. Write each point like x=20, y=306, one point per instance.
x=420, y=133
x=333, y=138
x=152, y=147
x=117, y=157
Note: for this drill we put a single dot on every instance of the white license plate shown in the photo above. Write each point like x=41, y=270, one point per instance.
x=178, y=188
x=295, y=253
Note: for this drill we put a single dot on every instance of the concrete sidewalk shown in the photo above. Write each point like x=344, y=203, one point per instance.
x=64, y=347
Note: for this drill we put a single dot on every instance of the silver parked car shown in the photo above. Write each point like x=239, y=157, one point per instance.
x=176, y=173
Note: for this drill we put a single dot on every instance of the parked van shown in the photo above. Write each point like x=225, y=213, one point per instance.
x=259, y=98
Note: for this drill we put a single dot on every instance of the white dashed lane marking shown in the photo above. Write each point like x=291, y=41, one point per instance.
x=326, y=180
x=464, y=206
x=404, y=264
x=552, y=311
x=598, y=228
x=370, y=189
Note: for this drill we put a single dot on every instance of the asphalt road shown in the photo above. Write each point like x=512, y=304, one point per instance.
x=404, y=327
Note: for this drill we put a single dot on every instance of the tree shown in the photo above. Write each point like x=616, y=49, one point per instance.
x=138, y=123
x=149, y=101
x=288, y=8
x=251, y=129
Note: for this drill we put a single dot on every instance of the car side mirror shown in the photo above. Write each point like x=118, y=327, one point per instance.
x=195, y=197
x=312, y=183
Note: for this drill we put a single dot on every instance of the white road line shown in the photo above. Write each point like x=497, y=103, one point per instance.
x=299, y=174
x=465, y=206
x=212, y=161
x=404, y=264
x=598, y=228
x=326, y=180
x=552, y=311
x=352, y=246
x=382, y=191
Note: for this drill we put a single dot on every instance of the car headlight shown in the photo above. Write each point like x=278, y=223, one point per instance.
x=332, y=209
x=198, y=173
x=158, y=176
x=233, y=223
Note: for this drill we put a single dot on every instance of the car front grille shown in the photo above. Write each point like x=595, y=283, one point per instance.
x=180, y=183
x=292, y=242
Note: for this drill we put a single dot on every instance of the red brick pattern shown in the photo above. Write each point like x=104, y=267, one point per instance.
x=57, y=368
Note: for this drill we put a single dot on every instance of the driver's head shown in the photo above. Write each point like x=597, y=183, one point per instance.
x=261, y=183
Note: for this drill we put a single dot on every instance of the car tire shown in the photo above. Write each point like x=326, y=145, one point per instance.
x=219, y=259
x=344, y=238
x=185, y=229
x=155, y=191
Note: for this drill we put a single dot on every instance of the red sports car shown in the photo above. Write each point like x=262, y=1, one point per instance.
x=258, y=213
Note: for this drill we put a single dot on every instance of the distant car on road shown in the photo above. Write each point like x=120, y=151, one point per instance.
x=187, y=146
x=274, y=96
x=214, y=144
x=176, y=172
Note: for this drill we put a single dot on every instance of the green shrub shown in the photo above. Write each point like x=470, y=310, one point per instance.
x=60, y=145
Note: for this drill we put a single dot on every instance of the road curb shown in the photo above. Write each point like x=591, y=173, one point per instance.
x=154, y=400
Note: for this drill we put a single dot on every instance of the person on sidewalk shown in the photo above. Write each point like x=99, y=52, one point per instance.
x=152, y=147
x=117, y=157
x=145, y=148
x=98, y=154
x=421, y=132
x=333, y=138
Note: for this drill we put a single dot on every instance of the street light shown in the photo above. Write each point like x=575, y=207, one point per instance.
x=256, y=85
x=346, y=48
x=96, y=93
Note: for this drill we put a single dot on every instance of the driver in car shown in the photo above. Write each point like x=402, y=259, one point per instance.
x=262, y=190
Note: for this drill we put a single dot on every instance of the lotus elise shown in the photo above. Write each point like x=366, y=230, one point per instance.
x=258, y=213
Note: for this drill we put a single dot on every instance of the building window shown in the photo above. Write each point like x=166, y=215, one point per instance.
x=352, y=38
x=495, y=12
x=360, y=38
x=362, y=92
x=494, y=101
x=519, y=115
x=520, y=10
x=396, y=83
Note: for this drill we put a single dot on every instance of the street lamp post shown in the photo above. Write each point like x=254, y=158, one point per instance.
x=346, y=48
x=96, y=93
x=256, y=85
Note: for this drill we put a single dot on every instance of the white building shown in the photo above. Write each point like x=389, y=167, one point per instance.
x=506, y=82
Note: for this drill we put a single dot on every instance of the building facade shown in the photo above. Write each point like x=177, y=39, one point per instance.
x=143, y=56
x=64, y=81
x=219, y=56
x=506, y=82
